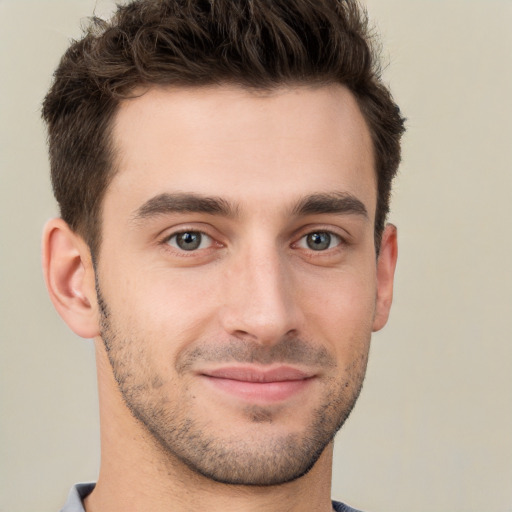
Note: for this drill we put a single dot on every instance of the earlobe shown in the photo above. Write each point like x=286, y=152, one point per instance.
x=386, y=264
x=69, y=277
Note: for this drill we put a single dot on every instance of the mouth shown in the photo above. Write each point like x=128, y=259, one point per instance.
x=256, y=384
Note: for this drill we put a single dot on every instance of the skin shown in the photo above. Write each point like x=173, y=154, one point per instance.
x=255, y=296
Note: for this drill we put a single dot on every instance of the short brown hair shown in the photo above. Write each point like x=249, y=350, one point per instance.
x=260, y=44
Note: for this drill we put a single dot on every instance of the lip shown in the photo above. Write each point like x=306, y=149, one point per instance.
x=258, y=384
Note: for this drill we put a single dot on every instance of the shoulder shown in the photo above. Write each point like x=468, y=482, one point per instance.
x=77, y=493
x=341, y=507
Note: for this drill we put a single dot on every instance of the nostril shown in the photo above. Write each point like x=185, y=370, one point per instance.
x=242, y=335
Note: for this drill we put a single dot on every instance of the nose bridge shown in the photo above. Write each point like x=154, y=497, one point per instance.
x=260, y=296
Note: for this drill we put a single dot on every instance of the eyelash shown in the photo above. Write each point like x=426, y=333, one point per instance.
x=167, y=240
x=332, y=238
x=338, y=240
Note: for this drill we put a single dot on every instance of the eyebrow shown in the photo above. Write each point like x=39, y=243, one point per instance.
x=166, y=203
x=335, y=202
x=314, y=204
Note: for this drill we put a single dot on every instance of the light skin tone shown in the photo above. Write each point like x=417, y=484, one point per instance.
x=233, y=296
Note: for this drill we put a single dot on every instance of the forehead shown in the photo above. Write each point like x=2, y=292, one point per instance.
x=248, y=147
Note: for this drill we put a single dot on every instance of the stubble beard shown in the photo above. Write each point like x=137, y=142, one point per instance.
x=251, y=459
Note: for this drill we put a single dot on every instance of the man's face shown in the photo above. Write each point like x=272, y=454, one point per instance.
x=237, y=273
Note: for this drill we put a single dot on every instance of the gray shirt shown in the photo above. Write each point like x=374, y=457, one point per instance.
x=80, y=491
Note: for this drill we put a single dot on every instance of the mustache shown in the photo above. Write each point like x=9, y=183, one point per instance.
x=287, y=351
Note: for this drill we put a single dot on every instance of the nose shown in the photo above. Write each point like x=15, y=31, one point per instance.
x=260, y=301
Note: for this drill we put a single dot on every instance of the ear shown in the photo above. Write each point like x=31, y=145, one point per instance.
x=69, y=277
x=386, y=264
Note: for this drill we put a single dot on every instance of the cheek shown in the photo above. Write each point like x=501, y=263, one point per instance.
x=166, y=305
x=341, y=309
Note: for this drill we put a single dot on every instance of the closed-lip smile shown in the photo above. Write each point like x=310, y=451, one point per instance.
x=259, y=384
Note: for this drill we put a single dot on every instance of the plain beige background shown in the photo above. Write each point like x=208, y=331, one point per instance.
x=432, y=429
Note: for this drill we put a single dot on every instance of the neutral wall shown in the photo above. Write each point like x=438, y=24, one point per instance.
x=431, y=431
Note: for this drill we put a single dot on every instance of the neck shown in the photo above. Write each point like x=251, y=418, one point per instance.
x=136, y=474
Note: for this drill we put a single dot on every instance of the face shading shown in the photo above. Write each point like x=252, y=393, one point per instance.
x=237, y=274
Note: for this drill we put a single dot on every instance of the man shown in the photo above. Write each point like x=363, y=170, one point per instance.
x=223, y=171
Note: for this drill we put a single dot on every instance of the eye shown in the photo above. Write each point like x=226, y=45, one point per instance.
x=190, y=241
x=319, y=241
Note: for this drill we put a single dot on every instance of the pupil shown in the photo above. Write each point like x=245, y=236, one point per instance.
x=188, y=241
x=319, y=241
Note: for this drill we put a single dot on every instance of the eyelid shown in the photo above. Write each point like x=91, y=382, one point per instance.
x=196, y=227
x=344, y=236
x=335, y=238
x=202, y=228
x=209, y=240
